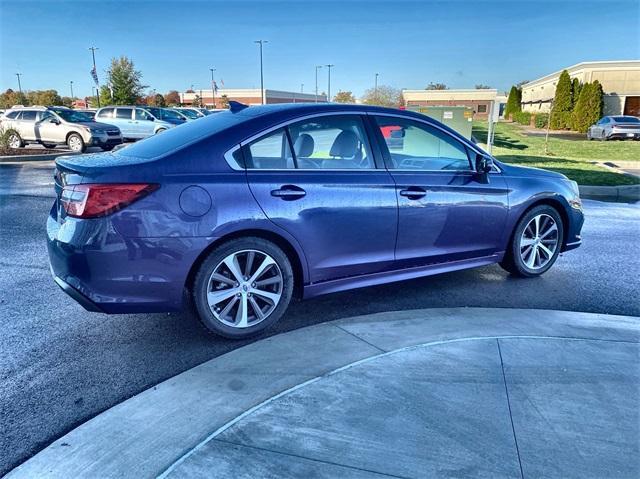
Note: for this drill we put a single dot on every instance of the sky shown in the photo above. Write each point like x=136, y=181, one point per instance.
x=409, y=43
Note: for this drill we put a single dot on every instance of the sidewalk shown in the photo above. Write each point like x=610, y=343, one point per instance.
x=427, y=393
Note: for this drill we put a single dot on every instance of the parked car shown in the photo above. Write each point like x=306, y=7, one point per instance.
x=57, y=125
x=620, y=127
x=191, y=113
x=135, y=122
x=247, y=208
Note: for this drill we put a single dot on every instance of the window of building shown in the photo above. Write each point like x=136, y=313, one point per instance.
x=416, y=146
x=482, y=108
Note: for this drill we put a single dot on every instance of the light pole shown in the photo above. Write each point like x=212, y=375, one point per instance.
x=19, y=84
x=93, y=55
x=213, y=87
x=261, y=42
x=71, y=84
x=301, y=87
x=318, y=67
x=375, y=89
x=329, y=82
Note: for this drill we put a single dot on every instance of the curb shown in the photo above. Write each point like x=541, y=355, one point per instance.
x=150, y=434
x=627, y=193
x=44, y=157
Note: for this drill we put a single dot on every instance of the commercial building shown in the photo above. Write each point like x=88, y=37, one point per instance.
x=478, y=100
x=620, y=81
x=248, y=96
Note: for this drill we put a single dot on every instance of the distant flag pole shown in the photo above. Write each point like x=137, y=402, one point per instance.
x=94, y=74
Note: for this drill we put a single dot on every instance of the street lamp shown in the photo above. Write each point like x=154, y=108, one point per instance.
x=93, y=55
x=19, y=84
x=329, y=81
x=318, y=67
x=71, y=84
x=213, y=87
x=261, y=42
x=375, y=89
x=301, y=87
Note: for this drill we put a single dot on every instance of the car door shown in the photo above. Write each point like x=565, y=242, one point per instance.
x=48, y=128
x=318, y=180
x=26, y=125
x=144, y=123
x=446, y=212
x=124, y=120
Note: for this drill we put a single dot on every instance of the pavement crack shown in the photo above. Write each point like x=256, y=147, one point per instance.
x=360, y=338
x=506, y=390
x=297, y=456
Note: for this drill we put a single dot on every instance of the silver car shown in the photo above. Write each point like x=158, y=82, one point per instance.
x=615, y=127
x=51, y=126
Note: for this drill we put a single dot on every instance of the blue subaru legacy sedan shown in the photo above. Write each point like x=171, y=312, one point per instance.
x=241, y=211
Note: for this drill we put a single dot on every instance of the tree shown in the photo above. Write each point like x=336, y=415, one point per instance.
x=197, y=103
x=159, y=100
x=521, y=82
x=44, y=97
x=172, y=98
x=482, y=87
x=576, y=86
x=67, y=101
x=223, y=102
x=436, y=86
x=513, y=102
x=562, y=104
x=589, y=106
x=10, y=98
x=383, y=96
x=344, y=97
x=125, y=82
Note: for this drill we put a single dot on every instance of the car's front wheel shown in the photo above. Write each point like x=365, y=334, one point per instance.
x=243, y=287
x=536, y=242
x=76, y=143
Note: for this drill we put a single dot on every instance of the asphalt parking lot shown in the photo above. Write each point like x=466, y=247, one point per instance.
x=60, y=365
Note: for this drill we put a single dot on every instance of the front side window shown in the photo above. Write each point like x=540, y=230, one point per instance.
x=106, y=113
x=417, y=146
x=124, y=113
x=143, y=115
x=331, y=142
x=46, y=115
x=271, y=152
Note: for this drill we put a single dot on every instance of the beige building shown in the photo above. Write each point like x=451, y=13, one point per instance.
x=248, y=96
x=620, y=81
x=479, y=100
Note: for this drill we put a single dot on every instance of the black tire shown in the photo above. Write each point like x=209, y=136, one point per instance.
x=513, y=262
x=201, y=287
x=14, y=137
x=76, y=137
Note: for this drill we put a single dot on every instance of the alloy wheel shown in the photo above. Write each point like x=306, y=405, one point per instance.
x=244, y=288
x=14, y=141
x=539, y=241
x=75, y=143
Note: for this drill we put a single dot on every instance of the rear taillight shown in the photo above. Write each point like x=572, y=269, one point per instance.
x=94, y=200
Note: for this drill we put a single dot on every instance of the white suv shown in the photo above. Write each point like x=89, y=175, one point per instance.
x=57, y=125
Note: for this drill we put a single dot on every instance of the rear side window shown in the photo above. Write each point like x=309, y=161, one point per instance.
x=271, y=152
x=124, y=113
x=13, y=115
x=29, y=115
x=105, y=113
x=414, y=145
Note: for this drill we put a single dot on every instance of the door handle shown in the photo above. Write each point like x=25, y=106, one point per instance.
x=413, y=192
x=289, y=192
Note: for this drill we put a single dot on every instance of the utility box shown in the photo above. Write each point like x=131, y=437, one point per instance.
x=459, y=118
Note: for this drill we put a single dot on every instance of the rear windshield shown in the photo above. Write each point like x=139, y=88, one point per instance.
x=626, y=119
x=183, y=135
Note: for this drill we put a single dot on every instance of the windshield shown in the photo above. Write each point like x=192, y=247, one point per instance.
x=626, y=119
x=190, y=114
x=72, y=115
x=165, y=114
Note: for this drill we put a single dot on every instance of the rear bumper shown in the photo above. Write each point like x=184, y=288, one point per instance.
x=107, y=272
x=624, y=135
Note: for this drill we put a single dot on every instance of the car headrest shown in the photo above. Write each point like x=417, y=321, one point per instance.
x=345, y=145
x=304, y=145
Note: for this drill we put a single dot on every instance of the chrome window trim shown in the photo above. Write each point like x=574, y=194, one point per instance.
x=284, y=124
x=231, y=161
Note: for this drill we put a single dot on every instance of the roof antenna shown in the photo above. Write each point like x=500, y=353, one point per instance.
x=236, y=106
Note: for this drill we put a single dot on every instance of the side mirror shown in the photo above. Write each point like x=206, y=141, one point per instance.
x=55, y=121
x=484, y=164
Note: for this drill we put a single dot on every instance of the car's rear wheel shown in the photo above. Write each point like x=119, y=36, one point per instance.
x=243, y=287
x=536, y=242
x=14, y=140
x=75, y=143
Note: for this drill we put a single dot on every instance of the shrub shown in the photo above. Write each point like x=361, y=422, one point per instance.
x=562, y=103
x=588, y=109
x=522, y=117
x=513, y=102
x=541, y=120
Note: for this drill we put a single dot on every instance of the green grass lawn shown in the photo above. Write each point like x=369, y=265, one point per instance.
x=574, y=158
